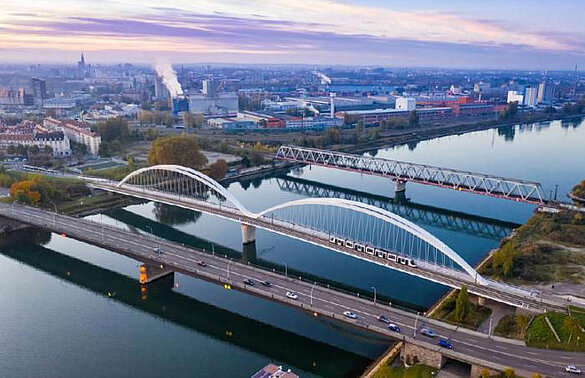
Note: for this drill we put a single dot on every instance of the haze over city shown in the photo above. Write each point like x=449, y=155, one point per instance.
x=498, y=34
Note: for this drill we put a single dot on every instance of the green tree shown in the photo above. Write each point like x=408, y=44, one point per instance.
x=462, y=304
x=178, y=149
x=113, y=129
x=511, y=111
x=256, y=158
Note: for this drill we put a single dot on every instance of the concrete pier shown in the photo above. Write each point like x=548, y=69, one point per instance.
x=399, y=186
x=150, y=273
x=248, y=233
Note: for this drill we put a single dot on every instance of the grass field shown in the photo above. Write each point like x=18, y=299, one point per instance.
x=416, y=371
x=539, y=334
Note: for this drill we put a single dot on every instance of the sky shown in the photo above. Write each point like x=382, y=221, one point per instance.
x=505, y=34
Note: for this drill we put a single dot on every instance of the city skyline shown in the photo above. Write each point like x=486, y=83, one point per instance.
x=453, y=34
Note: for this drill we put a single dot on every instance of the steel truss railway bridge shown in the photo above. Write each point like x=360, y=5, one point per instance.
x=401, y=172
x=318, y=221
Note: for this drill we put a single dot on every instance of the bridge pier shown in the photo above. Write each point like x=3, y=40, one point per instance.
x=249, y=253
x=413, y=354
x=248, y=233
x=399, y=186
x=150, y=273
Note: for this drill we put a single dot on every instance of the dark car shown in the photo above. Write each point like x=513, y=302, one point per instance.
x=383, y=319
x=428, y=332
x=266, y=283
x=445, y=344
x=249, y=282
x=393, y=327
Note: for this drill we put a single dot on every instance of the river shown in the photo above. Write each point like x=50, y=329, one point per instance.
x=72, y=309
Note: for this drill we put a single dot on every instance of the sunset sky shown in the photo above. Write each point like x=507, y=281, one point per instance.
x=501, y=34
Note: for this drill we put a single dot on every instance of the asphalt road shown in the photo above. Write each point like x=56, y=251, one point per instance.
x=469, y=346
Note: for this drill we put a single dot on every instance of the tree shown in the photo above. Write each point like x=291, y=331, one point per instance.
x=462, y=304
x=218, y=169
x=485, y=373
x=256, y=158
x=509, y=373
x=192, y=120
x=34, y=149
x=572, y=325
x=413, y=120
x=113, y=129
x=178, y=149
x=48, y=150
x=511, y=111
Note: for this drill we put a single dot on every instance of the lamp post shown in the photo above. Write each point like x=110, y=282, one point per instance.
x=373, y=288
x=312, y=287
x=228, y=269
x=150, y=228
x=285, y=269
x=415, y=323
x=55, y=213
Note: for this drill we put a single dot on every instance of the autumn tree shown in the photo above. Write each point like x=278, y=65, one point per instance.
x=193, y=120
x=413, y=120
x=218, y=169
x=178, y=149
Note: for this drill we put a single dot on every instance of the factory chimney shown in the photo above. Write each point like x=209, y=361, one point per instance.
x=332, y=95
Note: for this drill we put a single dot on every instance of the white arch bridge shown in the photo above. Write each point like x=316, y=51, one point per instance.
x=352, y=228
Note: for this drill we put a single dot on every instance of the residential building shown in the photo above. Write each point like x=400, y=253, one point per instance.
x=530, y=96
x=39, y=91
x=77, y=131
x=515, y=96
x=405, y=103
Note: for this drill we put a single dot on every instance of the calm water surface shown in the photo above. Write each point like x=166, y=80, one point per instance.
x=72, y=309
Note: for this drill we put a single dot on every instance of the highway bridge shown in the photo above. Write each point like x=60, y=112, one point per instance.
x=351, y=228
x=401, y=172
x=469, y=346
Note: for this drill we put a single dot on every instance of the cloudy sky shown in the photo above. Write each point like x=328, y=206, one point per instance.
x=535, y=34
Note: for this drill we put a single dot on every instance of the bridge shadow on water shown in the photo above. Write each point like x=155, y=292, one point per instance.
x=248, y=255
x=160, y=300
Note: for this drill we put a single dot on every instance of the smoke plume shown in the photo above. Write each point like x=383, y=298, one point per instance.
x=165, y=71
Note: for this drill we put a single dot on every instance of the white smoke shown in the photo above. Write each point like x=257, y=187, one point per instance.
x=165, y=71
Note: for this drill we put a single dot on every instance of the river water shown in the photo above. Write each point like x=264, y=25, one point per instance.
x=72, y=309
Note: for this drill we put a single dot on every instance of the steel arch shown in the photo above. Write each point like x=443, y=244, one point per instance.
x=389, y=217
x=196, y=175
x=363, y=208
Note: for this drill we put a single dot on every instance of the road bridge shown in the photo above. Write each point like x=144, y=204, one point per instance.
x=469, y=346
x=401, y=172
x=352, y=228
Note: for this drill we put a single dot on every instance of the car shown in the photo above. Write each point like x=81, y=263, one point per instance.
x=393, y=327
x=572, y=369
x=428, y=332
x=350, y=314
x=291, y=295
x=201, y=263
x=248, y=282
x=445, y=344
x=157, y=250
x=266, y=283
x=383, y=319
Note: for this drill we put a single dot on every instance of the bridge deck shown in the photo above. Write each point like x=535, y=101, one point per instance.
x=312, y=298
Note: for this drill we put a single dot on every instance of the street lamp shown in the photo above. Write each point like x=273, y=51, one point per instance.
x=150, y=228
x=228, y=269
x=55, y=214
x=312, y=287
x=373, y=288
x=415, y=323
x=285, y=269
